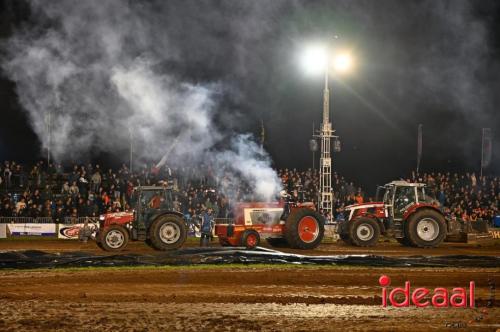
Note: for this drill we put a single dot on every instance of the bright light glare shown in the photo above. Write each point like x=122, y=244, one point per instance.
x=343, y=62
x=314, y=59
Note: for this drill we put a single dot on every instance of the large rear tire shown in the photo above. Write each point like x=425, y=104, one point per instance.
x=304, y=229
x=425, y=228
x=113, y=238
x=167, y=232
x=364, y=232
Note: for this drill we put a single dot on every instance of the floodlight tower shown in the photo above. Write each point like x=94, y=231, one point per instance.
x=325, y=161
x=318, y=59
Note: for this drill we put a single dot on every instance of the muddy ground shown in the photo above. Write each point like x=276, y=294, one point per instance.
x=239, y=298
x=384, y=248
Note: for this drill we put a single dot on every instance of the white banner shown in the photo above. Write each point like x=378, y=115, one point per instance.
x=3, y=231
x=70, y=232
x=32, y=229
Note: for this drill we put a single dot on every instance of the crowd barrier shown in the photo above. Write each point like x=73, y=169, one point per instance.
x=67, y=228
x=48, y=220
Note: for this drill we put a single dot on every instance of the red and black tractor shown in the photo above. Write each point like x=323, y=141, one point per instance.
x=406, y=212
x=153, y=220
x=293, y=224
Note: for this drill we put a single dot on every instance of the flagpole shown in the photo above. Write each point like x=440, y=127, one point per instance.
x=419, y=147
x=482, y=151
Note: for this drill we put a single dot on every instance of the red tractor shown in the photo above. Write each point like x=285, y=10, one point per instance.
x=153, y=220
x=297, y=225
x=406, y=212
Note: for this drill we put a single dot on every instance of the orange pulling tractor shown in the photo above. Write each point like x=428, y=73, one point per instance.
x=297, y=225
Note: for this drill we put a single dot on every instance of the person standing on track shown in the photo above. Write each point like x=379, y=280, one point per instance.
x=207, y=223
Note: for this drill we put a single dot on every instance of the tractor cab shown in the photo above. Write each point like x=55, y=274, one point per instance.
x=399, y=196
x=148, y=202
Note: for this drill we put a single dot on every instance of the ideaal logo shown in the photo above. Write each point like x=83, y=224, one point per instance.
x=439, y=297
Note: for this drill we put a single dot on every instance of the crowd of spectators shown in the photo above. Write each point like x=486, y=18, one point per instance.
x=88, y=190
x=467, y=197
x=53, y=191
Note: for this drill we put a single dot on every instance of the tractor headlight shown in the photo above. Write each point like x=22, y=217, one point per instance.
x=102, y=217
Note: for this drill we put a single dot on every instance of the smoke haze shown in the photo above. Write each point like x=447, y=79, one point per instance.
x=99, y=73
x=199, y=73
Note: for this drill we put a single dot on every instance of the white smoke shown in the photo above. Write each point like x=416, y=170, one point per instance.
x=101, y=71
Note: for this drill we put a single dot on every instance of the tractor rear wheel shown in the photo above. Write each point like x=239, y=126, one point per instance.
x=425, y=228
x=304, y=229
x=167, y=232
x=364, y=232
x=113, y=238
x=250, y=239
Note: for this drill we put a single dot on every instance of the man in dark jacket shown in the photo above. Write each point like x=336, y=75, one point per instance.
x=207, y=221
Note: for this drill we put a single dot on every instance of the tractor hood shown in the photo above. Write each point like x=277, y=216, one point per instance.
x=364, y=205
x=117, y=217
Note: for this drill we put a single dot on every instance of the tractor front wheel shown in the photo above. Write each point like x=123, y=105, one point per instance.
x=425, y=228
x=304, y=229
x=250, y=239
x=167, y=232
x=113, y=238
x=364, y=232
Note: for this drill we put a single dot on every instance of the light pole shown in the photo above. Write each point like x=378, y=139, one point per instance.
x=318, y=59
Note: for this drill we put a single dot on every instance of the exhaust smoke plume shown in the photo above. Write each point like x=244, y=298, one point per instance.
x=101, y=71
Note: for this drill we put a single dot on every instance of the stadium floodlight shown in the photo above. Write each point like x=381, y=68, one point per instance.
x=343, y=62
x=318, y=59
x=315, y=59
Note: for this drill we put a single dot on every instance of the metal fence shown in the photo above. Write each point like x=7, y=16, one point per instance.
x=80, y=220
x=47, y=220
x=16, y=220
x=224, y=221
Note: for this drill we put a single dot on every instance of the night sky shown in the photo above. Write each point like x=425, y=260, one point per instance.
x=431, y=62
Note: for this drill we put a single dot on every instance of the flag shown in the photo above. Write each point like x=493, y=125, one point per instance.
x=419, y=146
x=487, y=148
x=262, y=133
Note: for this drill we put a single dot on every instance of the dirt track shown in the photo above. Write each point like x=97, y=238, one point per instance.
x=243, y=299
x=384, y=248
x=275, y=298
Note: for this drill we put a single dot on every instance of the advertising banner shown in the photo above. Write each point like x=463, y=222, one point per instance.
x=3, y=231
x=32, y=229
x=70, y=232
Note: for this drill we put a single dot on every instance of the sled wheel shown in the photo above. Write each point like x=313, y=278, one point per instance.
x=425, y=228
x=224, y=242
x=404, y=241
x=99, y=244
x=364, y=232
x=277, y=242
x=345, y=237
x=167, y=232
x=113, y=238
x=304, y=229
x=250, y=239
x=343, y=233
